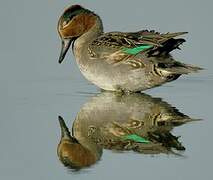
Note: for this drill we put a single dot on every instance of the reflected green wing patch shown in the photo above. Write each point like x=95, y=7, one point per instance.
x=136, y=138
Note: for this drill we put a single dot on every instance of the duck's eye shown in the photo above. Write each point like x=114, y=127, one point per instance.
x=71, y=13
x=65, y=23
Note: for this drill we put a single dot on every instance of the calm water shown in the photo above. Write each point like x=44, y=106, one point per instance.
x=35, y=90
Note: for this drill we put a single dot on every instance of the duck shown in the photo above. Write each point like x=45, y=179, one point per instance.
x=130, y=122
x=76, y=153
x=134, y=122
x=120, y=61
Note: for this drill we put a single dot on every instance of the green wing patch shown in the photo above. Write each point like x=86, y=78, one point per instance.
x=136, y=50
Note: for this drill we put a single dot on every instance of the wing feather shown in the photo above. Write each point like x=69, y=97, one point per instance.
x=115, y=47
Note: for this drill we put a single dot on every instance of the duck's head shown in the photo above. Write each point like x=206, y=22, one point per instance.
x=71, y=153
x=74, y=22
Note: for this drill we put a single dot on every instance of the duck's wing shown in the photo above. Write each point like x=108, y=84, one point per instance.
x=137, y=49
x=118, y=46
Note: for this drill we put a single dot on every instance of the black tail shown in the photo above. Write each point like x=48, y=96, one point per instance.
x=167, y=47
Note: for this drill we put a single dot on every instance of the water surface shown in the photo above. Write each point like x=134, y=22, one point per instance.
x=35, y=90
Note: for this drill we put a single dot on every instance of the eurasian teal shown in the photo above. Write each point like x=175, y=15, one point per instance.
x=123, y=122
x=119, y=61
x=76, y=153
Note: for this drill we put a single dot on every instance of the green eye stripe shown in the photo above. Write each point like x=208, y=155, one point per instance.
x=69, y=15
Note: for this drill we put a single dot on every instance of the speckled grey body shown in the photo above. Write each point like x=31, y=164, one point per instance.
x=120, y=77
x=107, y=117
x=119, y=61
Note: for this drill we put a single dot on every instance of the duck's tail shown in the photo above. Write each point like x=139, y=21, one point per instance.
x=182, y=69
x=177, y=69
x=167, y=47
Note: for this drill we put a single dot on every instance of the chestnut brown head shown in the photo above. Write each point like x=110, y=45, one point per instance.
x=74, y=22
x=71, y=153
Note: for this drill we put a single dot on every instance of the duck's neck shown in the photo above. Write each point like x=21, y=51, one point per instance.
x=81, y=134
x=82, y=42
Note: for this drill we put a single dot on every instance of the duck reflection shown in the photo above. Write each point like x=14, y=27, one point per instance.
x=136, y=122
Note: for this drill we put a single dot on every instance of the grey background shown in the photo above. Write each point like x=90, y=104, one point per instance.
x=35, y=89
